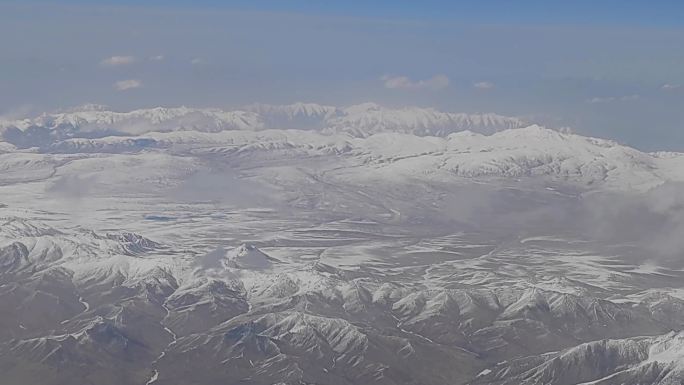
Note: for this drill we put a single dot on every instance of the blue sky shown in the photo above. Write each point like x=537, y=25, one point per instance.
x=607, y=68
x=629, y=12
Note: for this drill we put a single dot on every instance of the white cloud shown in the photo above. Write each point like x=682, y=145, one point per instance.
x=123, y=85
x=610, y=99
x=484, y=85
x=669, y=87
x=157, y=58
x=116, y=61
x=597, y=99
x=196, y=61
x=403, y=82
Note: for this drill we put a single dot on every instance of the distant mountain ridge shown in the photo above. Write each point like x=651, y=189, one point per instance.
x=363, y=120
x=532, y=151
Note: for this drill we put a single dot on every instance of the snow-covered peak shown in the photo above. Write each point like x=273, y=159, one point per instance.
x=248, y=256
x=294, y=111
x=668, y=348
x=363, y=108
x=539, y=151
x=369, y=118
x=87, y=107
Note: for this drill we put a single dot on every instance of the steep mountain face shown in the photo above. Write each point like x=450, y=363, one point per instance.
x=346, y=246
x=651, y=360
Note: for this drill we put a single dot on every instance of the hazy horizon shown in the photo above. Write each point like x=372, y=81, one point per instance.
x=601, y=71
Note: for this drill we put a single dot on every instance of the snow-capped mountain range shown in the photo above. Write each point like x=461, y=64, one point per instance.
x=310, y=244
x=360, y=120
x=416, y=142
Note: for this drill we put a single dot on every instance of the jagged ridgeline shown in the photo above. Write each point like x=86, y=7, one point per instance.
x=93, y=121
